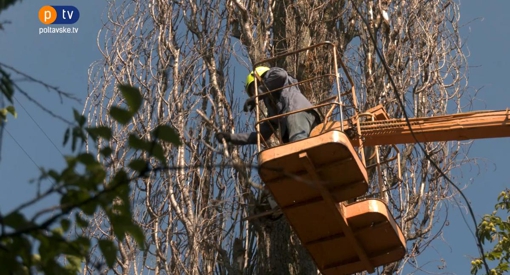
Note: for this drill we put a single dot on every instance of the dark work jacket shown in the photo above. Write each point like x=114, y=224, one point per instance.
x=283, y=101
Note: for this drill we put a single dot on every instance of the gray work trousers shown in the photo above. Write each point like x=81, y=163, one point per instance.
x=300, y=125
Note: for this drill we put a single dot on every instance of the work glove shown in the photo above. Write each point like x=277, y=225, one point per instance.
x=223, y=136
x=249, y=104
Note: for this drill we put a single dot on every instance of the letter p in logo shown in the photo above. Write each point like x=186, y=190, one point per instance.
x=47, y=15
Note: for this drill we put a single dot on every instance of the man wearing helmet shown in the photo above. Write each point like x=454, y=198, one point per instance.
x=282, y=99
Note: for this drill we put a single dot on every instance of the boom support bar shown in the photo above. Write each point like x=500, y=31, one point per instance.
x=462, y=126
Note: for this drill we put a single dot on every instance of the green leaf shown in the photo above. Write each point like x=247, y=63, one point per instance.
x=106, y=151
x=75, y=197
x=65, y=223
x=6, y=85
x=109, y=251
x=101, y=131
x=138, y=165
x=97, y=175
x=120, y=115
x=167, y=133
x=137, y=143
x=81, y=222
x=11, y=110
x=120, y=178
x=4, y=4
x=83, y=243
x=133, y=97
x=119, y=223
x=10, y=264
x=57, y=232
x=90, y=207
x=73, y=264
x=79, y=118
x=158, y=152
x=71, y=161
x=137, y=233
x=54, y=174
x=15, y=220
x=78, y=135
x=3, y=115
x=86, y=159
x=23, y=247
x=66, y=136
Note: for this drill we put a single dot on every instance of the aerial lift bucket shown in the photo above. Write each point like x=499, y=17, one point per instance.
x=310, y=179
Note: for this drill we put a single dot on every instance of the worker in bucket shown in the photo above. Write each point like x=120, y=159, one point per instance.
x=284, y=100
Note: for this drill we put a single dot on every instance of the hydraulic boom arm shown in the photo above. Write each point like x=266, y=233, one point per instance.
x=462, y=126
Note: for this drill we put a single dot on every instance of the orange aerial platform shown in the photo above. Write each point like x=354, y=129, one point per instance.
x=312, y=180
x=309, y=179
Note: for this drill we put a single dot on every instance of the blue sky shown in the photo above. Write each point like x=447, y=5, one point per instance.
x=63, y=60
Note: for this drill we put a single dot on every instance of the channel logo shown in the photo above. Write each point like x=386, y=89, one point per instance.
x=59, y=15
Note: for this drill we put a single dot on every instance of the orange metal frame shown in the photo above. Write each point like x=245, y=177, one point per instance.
x=333, y=180
x=310, y=187
x=462, y=126
x=312, y=178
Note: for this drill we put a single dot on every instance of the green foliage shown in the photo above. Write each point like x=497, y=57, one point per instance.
x=7, y=91
x=495, y=229
x=5, y=111
x=100, y=132
x=46, y=242
x=120, y=115
x=132, y=97
x=4, y=4
x=6, y=85
x=167, y=133
x=109, y=251
x=134, y=101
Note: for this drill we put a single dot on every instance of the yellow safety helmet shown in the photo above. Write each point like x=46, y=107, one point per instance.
x=251, y=76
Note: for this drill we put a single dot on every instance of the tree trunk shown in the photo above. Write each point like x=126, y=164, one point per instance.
x=286, y=255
